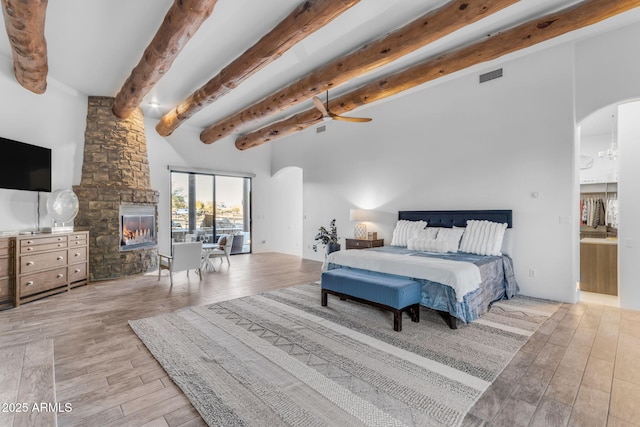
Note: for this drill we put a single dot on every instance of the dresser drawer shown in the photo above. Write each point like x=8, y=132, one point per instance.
x=77, y=254
x=6, y=267
x=4, y=289
x=77, y=272
x=44, y=281
x=37, y=262
x=78, y=236
x=79, y=242
x=40, y=244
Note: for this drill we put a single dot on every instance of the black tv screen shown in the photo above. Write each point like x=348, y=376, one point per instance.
x=24, y=166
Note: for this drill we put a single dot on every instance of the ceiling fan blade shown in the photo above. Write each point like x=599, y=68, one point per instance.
x=350, y=119
x=320, y=106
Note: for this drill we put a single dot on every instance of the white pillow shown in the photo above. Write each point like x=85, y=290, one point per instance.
x=426, y=245
x=427, y=233
x=405, y=230
x=450, y=237
x=483, y=237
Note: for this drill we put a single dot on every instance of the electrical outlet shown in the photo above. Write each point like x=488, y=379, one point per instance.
x=532, y=272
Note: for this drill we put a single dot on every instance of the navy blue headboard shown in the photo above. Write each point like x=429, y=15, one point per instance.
x=457, y=218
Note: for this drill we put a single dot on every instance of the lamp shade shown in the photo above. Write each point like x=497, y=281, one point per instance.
x=359, y=215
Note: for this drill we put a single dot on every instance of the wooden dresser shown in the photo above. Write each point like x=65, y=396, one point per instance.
x=7, y=260
x=50, y=263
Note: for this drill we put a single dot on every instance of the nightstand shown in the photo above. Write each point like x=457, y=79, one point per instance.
x=363, y=243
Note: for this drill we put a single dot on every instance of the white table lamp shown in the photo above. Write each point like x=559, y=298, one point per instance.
x=361, y=216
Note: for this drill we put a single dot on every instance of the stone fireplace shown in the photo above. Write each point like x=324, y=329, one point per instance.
x=114, y=192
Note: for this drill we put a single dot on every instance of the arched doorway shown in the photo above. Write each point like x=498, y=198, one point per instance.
x=628, y=233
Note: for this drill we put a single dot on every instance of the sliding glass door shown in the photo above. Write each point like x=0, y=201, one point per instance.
x=207, y=206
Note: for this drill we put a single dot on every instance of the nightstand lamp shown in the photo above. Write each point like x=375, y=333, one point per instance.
x=360, y=216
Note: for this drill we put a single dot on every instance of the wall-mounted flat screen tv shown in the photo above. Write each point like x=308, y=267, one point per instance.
x=24, y=166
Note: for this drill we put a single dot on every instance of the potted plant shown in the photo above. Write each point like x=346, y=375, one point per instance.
x=328, y=238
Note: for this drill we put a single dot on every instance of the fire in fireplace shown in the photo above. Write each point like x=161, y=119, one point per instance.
x=137, y=227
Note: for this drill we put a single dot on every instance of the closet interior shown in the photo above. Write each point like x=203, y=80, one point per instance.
x=599, y=238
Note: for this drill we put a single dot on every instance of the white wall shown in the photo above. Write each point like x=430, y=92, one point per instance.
x=285, y=231
x=55, y=119
x=629, y=205
x=458, y=145
x=607, y=70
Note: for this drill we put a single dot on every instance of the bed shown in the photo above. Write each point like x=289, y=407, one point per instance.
x=462, y=286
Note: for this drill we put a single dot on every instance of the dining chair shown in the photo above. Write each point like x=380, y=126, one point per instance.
x=186, y=256
x=224, y=248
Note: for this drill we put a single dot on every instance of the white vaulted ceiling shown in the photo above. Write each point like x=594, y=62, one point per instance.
x=93, y=45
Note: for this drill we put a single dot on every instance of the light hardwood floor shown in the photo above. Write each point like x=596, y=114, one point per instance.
x=579, y=369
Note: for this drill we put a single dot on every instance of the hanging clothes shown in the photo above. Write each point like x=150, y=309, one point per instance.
x=596, y=210
x=612, y=212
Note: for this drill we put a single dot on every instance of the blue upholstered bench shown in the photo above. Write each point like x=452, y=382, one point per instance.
x=391, y=293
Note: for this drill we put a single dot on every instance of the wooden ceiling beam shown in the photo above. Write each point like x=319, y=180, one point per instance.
x=24, y=21
x=308, y=17
x=388, y=48
x=180, y=23
x=520, y=37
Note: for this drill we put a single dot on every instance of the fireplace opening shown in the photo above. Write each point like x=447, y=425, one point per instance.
x=137, y=227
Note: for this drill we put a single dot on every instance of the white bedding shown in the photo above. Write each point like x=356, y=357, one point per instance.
x=462, y=276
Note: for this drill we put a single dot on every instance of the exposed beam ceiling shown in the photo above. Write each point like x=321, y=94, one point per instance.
x=92, y=46
x=307, y=18
x=388, y=48
x=182, y=21
x=24, y=21
x=520, y=37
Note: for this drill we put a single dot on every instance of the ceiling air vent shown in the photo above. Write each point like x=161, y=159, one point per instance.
x=321, y=128
x=495, y=74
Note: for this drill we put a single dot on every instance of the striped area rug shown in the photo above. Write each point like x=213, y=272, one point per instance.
x=281, y=358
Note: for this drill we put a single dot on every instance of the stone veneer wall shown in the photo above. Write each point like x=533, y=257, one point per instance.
x=115, y=171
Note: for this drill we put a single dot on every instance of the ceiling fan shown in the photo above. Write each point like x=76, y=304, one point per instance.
x=326, y=114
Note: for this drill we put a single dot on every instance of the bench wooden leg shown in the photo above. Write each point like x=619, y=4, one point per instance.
x=397, y=320
x=414, y=312
x=323, y=300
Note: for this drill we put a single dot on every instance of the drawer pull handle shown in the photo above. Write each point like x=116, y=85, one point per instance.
x=60, y=258
x=59, y=239
x=29, y=248
x=77, y=270
x=29, y=242
x=59, y=245
x=30, y=263
x=29, y=283
x=76, y=254
x=60, y=276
